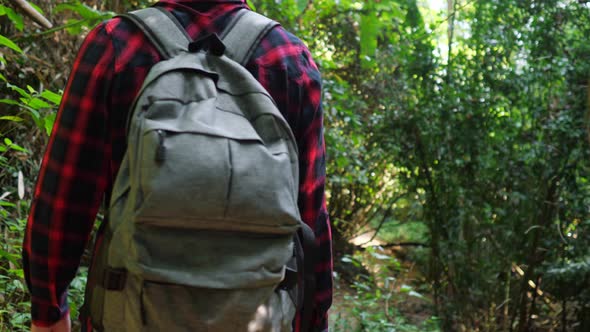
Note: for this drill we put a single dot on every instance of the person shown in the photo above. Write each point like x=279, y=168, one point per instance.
x=88, y=142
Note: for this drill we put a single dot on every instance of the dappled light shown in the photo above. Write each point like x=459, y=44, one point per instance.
x=458, y=156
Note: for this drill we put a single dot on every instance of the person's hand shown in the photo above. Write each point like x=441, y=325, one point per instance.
x=63, y=325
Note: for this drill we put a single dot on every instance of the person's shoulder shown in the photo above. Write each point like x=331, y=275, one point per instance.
x=282, y=48
x=118, y=26
x=281, y=37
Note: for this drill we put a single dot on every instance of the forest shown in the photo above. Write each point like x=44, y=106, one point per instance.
x=458, y=154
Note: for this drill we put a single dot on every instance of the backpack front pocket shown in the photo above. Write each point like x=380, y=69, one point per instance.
x=177, y=179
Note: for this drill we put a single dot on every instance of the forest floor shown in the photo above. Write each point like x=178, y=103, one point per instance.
x=403, y=307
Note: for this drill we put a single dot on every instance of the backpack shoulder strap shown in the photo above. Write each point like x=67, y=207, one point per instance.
x=244, y=33
x=162, y=29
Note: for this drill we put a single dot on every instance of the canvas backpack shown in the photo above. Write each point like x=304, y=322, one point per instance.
x=204, y=231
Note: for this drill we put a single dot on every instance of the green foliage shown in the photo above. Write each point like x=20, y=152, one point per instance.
x=90, y=16
x=465, y=131
x=374, y=301
x=10, y=44
x=473, y=124
x=26, y=121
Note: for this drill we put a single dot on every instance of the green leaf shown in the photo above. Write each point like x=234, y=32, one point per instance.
x=7, y=204
x=18, y=148
x=9, y=102
x=415, y=294
x=18, y=272
x=11, y=118
x=16, y=18
x=20, y=91
x=405, y=288
x=10, y=257
x=10, y=44
x=38, y=104
x=75, y=26
x=249, y=2
x=301, y=5
x=51, y=96
x=49, y=121
x=369, y=30
x=37, y=8
x=81, y=9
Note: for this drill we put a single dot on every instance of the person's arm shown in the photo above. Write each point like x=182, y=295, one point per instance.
x=283, y=65
x=71, y=182
x=312, y=197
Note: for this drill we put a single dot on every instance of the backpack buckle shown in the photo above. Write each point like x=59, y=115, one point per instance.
x=114, y=279
x=290, y=279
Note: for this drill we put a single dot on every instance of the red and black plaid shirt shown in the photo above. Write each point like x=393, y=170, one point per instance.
x=88, y=142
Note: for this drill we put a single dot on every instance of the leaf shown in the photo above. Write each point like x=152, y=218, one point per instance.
x=369, y=30
x=75, y=26
x=415, y=294
x=251, y=5
x=405, y=288
x=346, y=259
x=37, y=8
x=11, y=118
x=21, y=185
x=49, y=121
x=20, y=91
x=18, y=272
x=9, y=102
x=17, y=148
x=7, y=204
x=380, y=256
x=8, y=256
x=302, y=5
x=81, y=9
x=10, y=44
x=38, y=104
x=16, y=18
x=51, y=96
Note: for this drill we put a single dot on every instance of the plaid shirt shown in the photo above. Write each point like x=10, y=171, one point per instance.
x=87, y=145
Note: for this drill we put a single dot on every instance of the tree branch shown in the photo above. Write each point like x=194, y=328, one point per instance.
x=33, y=13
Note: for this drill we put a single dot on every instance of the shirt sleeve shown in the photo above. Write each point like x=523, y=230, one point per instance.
x=71, y=181
x=312, y=197
x=286, y=69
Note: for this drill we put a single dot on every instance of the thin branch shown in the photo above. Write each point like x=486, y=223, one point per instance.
x=385, y=216
x=33, y=13
x=405, y=244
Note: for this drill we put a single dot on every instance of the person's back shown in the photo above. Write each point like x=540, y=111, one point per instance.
x=89, y=141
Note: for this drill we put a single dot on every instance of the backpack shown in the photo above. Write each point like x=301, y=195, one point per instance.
x=204, y=230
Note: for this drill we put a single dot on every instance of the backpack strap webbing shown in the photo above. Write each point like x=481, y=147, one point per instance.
x=242, y=36
x=307, y=237
x=162, y=29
